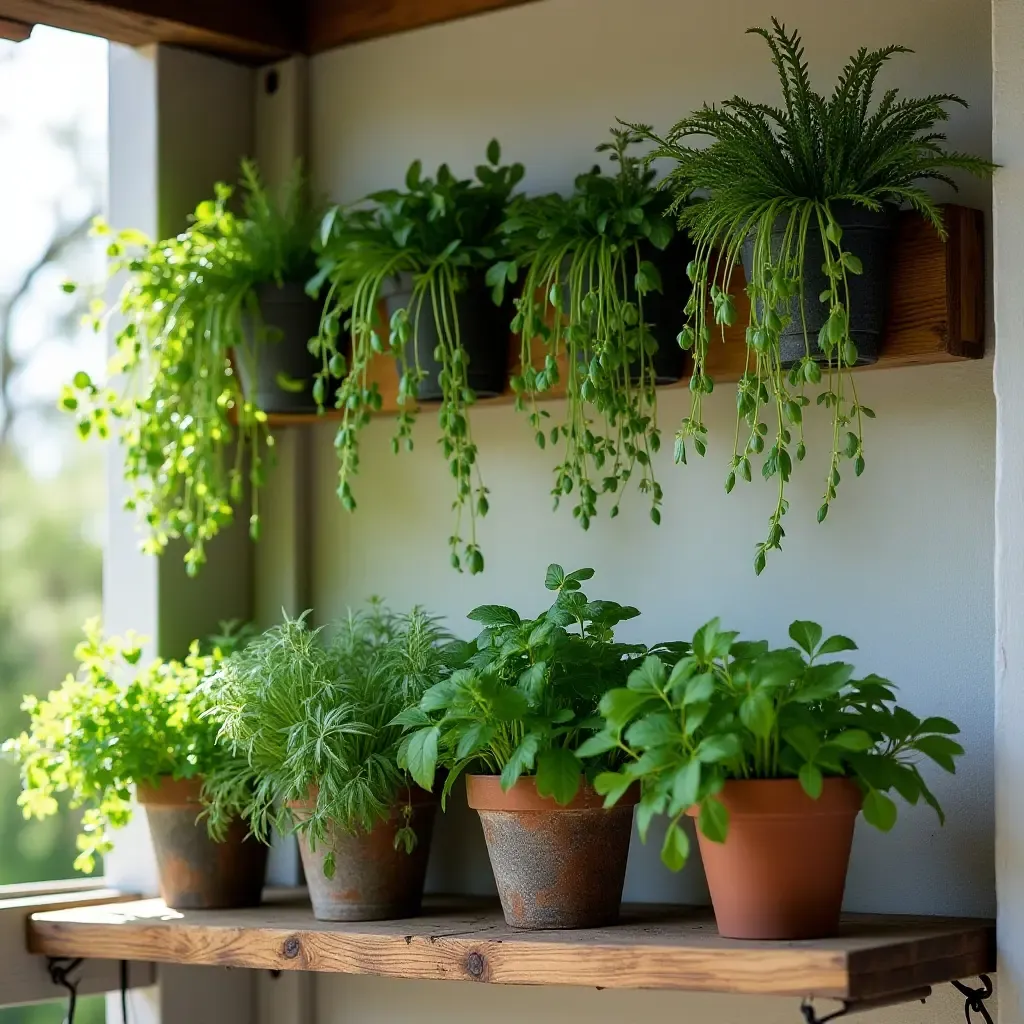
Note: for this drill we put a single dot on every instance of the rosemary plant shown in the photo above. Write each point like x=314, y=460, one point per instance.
x=307, y=713
x=787, y=167
x=585, y=277
x=444, y=232
x=190, y=436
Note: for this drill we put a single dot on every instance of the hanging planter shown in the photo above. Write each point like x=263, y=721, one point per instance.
x=368, y=875
x=555, y=865
x=480, y=326
x=276, y=368
x=195, y=872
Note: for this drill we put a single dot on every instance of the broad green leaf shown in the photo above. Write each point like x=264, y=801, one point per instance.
x=714, y=819
x=879, y=810
x=649, y=808
x=649, y=677
x=554, y=577
x=599, y=743
x=716, y=748
x=558, y=774
x=699, y=689
x=822, y=682
x=495, y=615
x=580, y=576
x=619, y=706
x=685, y=786
x=411, y=717
x=474, y=739
x=532, y=680
x=757, y=713
x=522, y=760
x=676, y=848
x=804, y=741
x=439, y=696
x=806, y=635
x=704, y=639
x=421, y=756
x=611, y=785
x=943, y=725
x=852, y=739
x=836, y=644
x=653, y=730
x=941, y=749
x=811, y=780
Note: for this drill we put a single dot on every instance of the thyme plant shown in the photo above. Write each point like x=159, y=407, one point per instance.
x=731, y=709
x=305, y=713
x=190, y=436
x=768, y=166
x=584, y=282
x=97, y=736
x=444, y=232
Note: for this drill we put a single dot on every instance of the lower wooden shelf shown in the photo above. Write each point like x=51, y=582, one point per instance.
x=875, y=958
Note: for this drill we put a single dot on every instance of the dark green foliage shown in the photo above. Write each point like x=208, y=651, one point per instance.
x=443, y=231
x=732, y=709
x=792, y=163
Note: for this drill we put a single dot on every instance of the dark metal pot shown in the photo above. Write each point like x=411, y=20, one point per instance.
x=868, y=235
x=372, y=880
x=195, y=873
x=555, y=866
x=483, y=330
x=267, y=362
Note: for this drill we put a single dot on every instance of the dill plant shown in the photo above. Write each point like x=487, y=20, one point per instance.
x=768, y=166
x=191, y=438
x=310, y=714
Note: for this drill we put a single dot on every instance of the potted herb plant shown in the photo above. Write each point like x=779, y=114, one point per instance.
x=601, y=272
x=512, y=715
x=96, y=738
x=805, y=196
x=774, y=753
x=420, y=253
x=215, y=335
x=314, y=721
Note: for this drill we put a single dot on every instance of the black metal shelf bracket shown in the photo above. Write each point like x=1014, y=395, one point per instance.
x=61, y=969
x=974, y=998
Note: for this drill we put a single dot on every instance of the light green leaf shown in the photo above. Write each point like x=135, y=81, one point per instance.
x=806, y=635
x=714, y=819
x=521, y=760
x=421, y=756
x=558, y=774
x=811, y=779
x=879, y=810
x=757, y=713
x=676, y=848
x=599, y=743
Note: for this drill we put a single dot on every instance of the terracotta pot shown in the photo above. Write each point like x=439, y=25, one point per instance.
x=195, y=873
x=372, y=880
x=781, y=871
x=555, y=866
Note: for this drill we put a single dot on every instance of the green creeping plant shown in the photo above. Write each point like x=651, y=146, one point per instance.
x=733, y=709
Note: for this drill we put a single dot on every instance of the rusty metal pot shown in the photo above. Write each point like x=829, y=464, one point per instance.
x=195, y=873
x=372, y=880
x=556, y=866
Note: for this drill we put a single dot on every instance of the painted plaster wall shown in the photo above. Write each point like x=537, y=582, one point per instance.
x=904, y=563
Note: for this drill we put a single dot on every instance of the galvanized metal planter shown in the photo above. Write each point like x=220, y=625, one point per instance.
x=556, y=866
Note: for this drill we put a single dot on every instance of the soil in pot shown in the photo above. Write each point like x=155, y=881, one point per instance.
x=372, y=880
x=483, y=330
x=868, y=235
x=277, y=371
x=781, y=871
x=195, y=873
x=555, y=866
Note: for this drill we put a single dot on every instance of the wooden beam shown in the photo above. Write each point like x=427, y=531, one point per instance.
x=253, y=31
x=331, y=23
x=655, y=947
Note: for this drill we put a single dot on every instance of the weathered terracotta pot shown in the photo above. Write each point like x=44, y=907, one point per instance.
x=195, y=873
x=556, y=866
x=372, y=880
x=781, y=871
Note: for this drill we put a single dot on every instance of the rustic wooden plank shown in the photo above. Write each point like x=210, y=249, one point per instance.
x=256, y=31
x=936, y=312
x=15, y=31
x=333, y=23
x=655, y=947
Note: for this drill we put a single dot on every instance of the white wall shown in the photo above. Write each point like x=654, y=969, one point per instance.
x=904, y=562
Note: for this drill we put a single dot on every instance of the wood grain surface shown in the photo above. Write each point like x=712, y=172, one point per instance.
x=655, y=947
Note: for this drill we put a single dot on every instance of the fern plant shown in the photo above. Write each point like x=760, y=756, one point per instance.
x=190, y=436
x=444, y=232
x=585, y=273
x=784, y=169
x=309, y=713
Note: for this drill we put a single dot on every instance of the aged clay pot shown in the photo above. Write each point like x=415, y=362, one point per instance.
x=781, y=871
x=556, y=866
x=195, y=873
x=372, y=880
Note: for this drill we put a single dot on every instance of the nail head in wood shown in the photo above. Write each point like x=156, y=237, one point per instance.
x=291, y=947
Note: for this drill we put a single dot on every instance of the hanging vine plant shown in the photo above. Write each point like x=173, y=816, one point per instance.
x=423, y=253
x=792, y=186
x=590, y=273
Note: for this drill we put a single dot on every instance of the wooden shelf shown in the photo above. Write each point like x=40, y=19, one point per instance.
x=655, y=947
x=936, y=313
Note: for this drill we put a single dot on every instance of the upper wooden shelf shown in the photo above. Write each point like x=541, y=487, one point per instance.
x=936, y=312
x=251, y=31
x=876, y=958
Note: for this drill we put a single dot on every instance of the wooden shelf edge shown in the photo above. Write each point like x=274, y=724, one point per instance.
x=655, y=947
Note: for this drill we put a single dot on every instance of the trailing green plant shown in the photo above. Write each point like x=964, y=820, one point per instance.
x=97, y=736
x=731, y=709
x=444, y=232
x=768, y=166
x=191, y=437
x=584, y=282
x=307, y=713
x=524, y=693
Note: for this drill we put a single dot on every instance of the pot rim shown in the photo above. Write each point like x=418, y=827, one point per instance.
x=168, y=791
x=785, y=798
x=484, y=793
